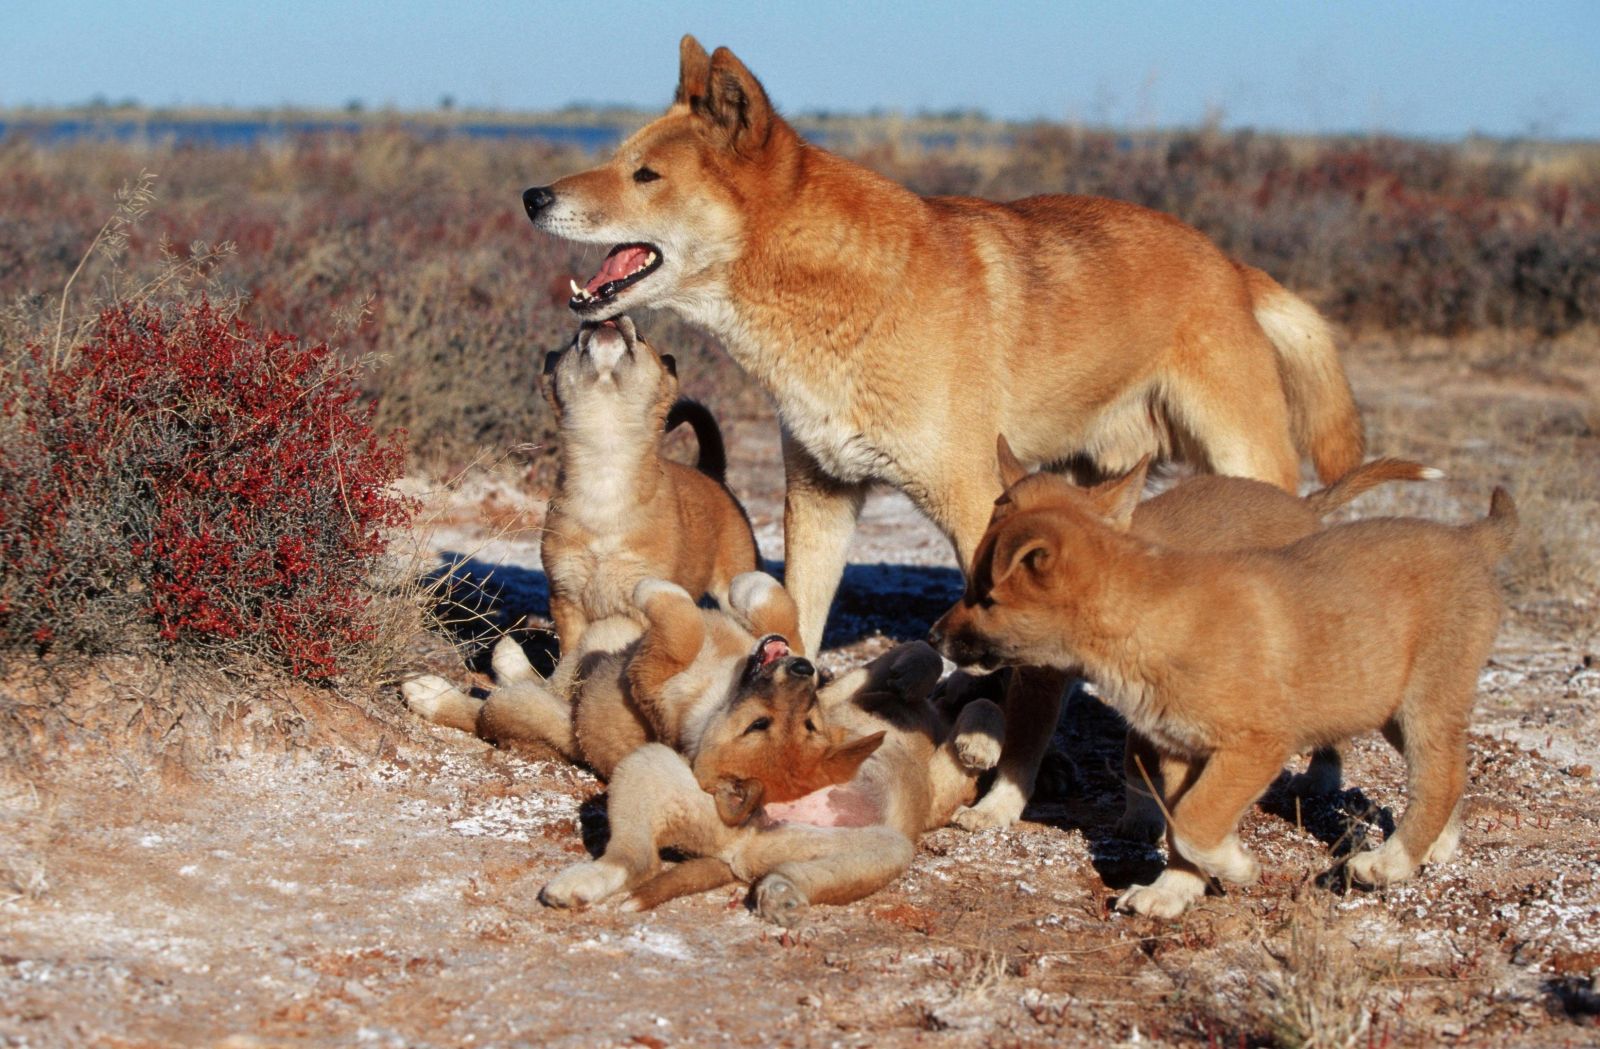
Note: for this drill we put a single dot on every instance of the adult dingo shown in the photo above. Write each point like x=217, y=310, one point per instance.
x=899, y=335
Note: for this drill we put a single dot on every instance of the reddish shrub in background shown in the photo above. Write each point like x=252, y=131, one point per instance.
x=185, y=478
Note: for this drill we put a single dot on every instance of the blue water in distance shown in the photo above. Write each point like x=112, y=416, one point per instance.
x=244, y=133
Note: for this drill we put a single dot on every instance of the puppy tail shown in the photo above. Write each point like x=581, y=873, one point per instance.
x=1322, y=410
x=713, y=460
x=1497, y=532
x=698, y=874
x=1365, y=477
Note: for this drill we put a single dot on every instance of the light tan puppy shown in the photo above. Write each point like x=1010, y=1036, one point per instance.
x=1201, y=514
x=622, y=512
x=898, y=335
x=835, y=846
x=1229, y=663
x=721, y=688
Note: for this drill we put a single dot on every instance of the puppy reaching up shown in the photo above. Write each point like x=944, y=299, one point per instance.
x=622, y=512
x=1205, y=513
x=1229, y=663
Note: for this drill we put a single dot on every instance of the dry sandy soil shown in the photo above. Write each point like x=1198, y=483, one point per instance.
x=375, y=881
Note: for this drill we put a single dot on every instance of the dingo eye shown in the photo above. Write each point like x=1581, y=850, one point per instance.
x=646, y=175
x=809, y=726
x=758, y=725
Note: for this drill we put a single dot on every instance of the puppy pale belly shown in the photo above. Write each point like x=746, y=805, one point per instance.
x=1166, y=897
x=829, y=807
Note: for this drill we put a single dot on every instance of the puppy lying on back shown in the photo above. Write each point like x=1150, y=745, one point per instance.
x=1231, y=662
x=1207, y=513
x=622, y=512
x=833, y=846
x=721, y=688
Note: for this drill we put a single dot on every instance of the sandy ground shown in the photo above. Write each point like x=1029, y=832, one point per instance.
x=377, y=883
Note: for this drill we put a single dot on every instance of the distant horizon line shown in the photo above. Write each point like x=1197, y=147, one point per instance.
x=601, y=114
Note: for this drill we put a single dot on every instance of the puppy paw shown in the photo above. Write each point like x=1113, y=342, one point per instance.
x=583, y=884
x=509, y=662
x=1382, y=866
x=1228, y=860
x=1141, y=821
x=1166, y=897
x=780, y=901
x=427, y=694
x=981, y=817
x=978, y=751
x=649, y=590
x=1444, y=847
x=749, y=590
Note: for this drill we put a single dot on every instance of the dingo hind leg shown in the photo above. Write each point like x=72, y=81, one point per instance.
x=1238, y=433
x=653, y=801
x=793, y=868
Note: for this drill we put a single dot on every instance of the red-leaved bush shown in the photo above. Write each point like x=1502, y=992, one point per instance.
x=187, y=479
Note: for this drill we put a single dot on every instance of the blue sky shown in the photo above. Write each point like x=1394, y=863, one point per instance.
x=1430, y=68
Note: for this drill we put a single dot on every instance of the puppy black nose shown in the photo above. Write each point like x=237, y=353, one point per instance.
x=801, y=667
x=537, y=199
x=936, y=636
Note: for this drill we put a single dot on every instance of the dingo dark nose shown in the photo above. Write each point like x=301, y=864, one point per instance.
x=537, y=199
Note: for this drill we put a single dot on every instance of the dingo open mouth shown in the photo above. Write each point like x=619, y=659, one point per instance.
x=625, y=266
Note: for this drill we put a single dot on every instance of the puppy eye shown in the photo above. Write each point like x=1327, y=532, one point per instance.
x=646, y=175
x=809, y=726
x=758, y=725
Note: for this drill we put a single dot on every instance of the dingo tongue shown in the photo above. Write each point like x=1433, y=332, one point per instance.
x=616, y=267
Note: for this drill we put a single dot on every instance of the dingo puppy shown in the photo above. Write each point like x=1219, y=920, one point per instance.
x=835, y=846
x=899, y=335
x=1203, y=514
x=622, y=512
x=722, y=688
x=1231, y=662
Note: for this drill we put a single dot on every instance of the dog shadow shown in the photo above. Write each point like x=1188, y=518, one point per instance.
x=882, y=599
x=476, y=603
x=1081, y=789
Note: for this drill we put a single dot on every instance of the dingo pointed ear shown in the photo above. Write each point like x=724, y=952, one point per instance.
x=694, y=70
x=547, y=379
x=1117, y=499
x=1030, y=548
x=1011, y=468
x=736, y=103
x=842, y=760
x=738, y=799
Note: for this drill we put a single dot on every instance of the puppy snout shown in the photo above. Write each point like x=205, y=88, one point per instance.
x=936, y=635
x=537, y=199
x=801, y=667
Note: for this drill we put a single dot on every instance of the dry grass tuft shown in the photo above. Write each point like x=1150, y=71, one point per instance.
x=1317, y=992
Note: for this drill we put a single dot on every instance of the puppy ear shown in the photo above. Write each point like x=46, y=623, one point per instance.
x=736, y=104
x=841, y=760
x=547, y=379
x=1011, y=468
x=694, y=69
x=1117, y=499
x=1029, y=547
x=738, y=799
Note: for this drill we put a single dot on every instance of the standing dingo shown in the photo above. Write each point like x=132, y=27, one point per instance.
x=899, y=335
